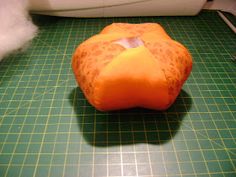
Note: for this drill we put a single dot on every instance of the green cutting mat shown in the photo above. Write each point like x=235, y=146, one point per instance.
x=47, y=128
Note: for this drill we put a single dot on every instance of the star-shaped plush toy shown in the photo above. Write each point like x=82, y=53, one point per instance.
x=131, y=65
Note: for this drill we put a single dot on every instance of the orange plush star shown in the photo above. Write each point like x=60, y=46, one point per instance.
x=131, y=65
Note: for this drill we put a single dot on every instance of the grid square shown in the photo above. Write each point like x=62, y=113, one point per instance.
x=129, y=170
x=86, y=159
x=42, y=171
x=100, y=159
x=85, y=170
x=200, y=167
x=58, y=159
x=45, y=159
x=8, y=148
x=100, y=170
x=27, y=171
x=186, y=168
x=5, y=159
x=144, y=170
x=72, y=159
x=114, y=170
x=159, y=169
x=55, y=171
x=31, y=159
x=34, y=148
x=13, y=171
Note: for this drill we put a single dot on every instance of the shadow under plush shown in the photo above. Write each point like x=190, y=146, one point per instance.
x=129, y=126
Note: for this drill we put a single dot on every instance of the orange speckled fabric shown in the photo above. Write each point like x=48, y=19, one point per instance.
x=115, y=77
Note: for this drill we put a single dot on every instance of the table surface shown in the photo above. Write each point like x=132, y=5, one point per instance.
x=47, y=128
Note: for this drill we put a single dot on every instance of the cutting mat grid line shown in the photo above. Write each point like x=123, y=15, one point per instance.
x=47, y=127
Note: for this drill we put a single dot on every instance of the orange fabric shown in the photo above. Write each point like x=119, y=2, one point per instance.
x=115, y=77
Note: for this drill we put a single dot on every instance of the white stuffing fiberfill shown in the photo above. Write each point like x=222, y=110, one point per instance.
x=16, y=27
